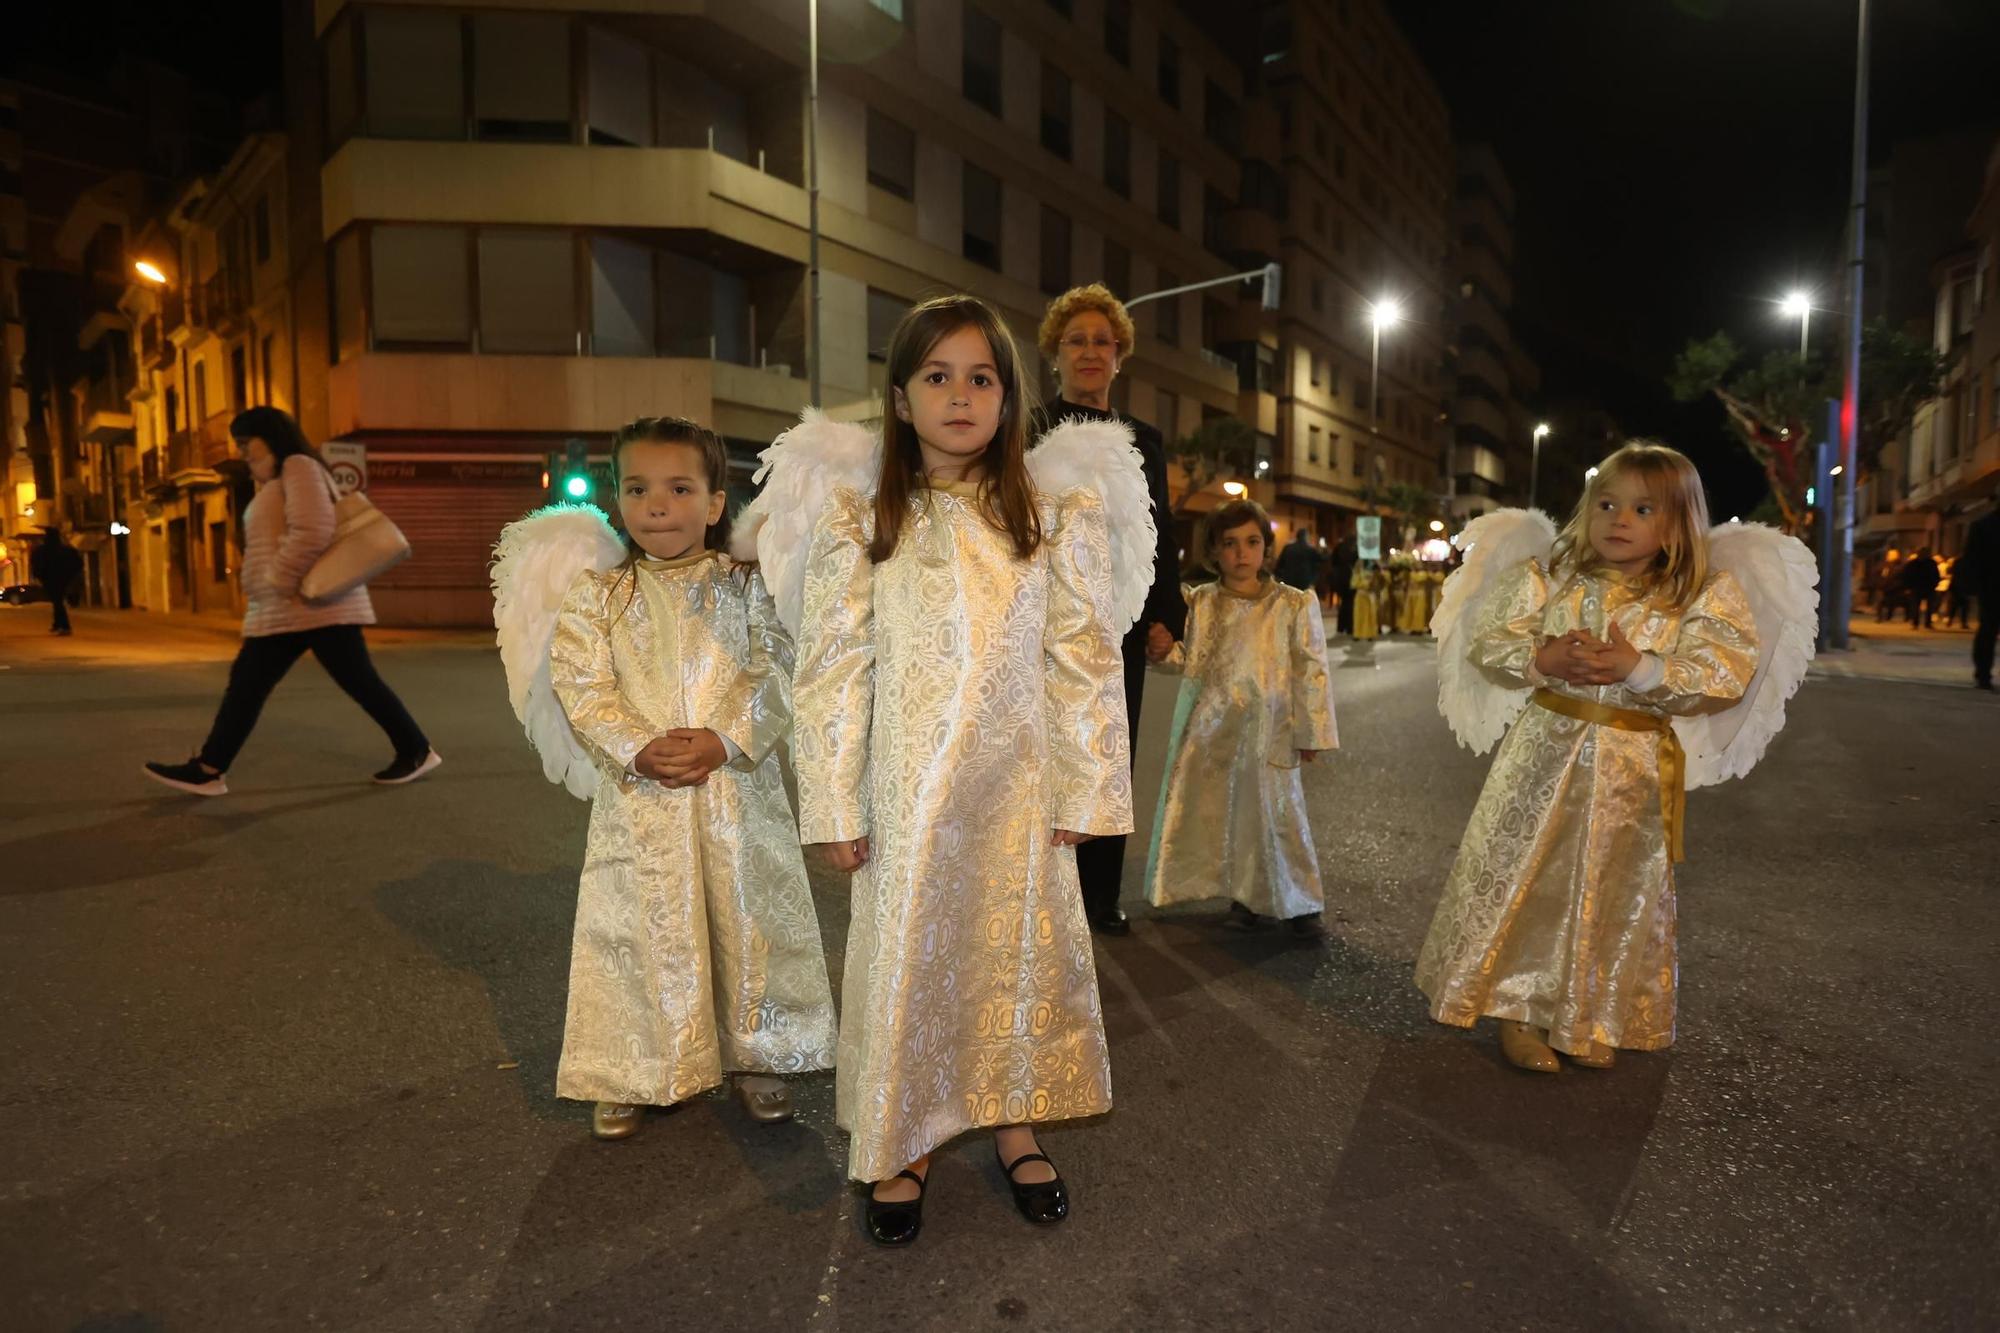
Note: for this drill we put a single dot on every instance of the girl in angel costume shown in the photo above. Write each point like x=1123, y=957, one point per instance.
x=1657, y=655
x=654, y=678
x=961, y=727
x=1233, y=812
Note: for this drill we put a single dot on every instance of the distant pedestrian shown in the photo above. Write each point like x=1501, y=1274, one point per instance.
x=1919, y=581
x=1298, y=562
x=287, y=528
x=55, y=566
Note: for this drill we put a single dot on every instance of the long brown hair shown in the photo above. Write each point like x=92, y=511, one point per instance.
x=1681, y=567
x=1006, y=493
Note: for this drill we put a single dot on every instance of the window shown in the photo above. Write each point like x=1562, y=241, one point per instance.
x=415, y=63
x=520, y=77
x=621, y=91
x=200, y=370
x=239, y=377
x=982, y=216
x=1168, y=327
x=261, y=228
x=884, y=313
x=1170, y=71
x=1312, y=445
x=892, y=156
x=1354, y=462
x=1118, y=153
x=621, y=298
x=266, y=354
x=1318, y=295
x=1056, y=104
x=1055, y=250
x=343, y=80
x=1316, y=364
x=218, y=550
x=981, y=63
x=1170, y=190
x=1118, y=30
x=1167, y=415
x=527, y=291
x=1223, y=122
x=1117, y=268
x=420, y=288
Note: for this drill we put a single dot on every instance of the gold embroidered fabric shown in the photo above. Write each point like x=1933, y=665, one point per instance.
x=697, y=949
x=1560, y=909
x=956, y=705
x=1234, y=823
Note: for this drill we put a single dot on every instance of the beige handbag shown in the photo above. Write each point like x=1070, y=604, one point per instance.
x=365, y=544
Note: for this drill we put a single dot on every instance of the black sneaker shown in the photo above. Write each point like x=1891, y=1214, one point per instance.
x=409, y=770
x=190, y=777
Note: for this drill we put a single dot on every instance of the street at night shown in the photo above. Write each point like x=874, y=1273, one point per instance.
x=286, y=1059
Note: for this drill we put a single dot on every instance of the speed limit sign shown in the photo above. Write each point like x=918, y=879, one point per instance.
x=349, y=464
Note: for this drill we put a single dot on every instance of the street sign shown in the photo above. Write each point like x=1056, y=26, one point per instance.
x=1368, y=536
x=348, y=462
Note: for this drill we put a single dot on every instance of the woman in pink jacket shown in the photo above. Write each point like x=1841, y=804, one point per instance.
x=287, y=528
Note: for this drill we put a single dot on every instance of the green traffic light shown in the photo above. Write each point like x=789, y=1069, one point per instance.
x=578, y=487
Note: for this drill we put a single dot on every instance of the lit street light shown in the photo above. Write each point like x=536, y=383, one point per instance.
x=1235, y=488
x=1383, y=314
x=1535, y=462
x=1798, y=305
x=150, y=271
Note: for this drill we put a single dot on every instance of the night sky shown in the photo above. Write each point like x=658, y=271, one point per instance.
x=1680, y=162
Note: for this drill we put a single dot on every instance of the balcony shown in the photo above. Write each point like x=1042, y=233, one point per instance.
x=156, y=352
x=1474, y=461
x=222, y=303
x=214, y=443
x=107, y=417
x=100, y=323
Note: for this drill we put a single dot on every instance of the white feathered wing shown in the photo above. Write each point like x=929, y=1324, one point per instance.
x=1781, y=583
x=534, y=563
x=800, y=472
x=1099, y=456
x=1478, y=708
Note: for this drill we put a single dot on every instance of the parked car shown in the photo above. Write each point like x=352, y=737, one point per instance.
x=20, y=594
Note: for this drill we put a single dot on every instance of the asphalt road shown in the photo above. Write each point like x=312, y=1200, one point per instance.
x=286, y=1059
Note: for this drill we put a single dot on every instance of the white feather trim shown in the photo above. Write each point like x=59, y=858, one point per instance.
x=1781, y=582
x=800, y=472
x=1099, y=456
x=1479, y=709
x=534, y=563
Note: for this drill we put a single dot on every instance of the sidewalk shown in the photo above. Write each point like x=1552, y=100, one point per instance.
x=151, y=638
x=1898, y=652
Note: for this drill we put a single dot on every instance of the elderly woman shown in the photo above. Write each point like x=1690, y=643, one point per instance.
x=1087, y=336
x=286, y=529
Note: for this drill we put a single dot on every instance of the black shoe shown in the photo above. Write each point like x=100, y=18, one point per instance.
x=1311, y=926
x=409, y=770
x=1113, y=922
x=899, y=1222
x=1986, y=685
x=1044, y=1204
x=189, y=777
x=1242, y=918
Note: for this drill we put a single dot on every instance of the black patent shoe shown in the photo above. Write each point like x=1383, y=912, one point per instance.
x=1045, y=1203
x=899, y=1222
x=1113, y=922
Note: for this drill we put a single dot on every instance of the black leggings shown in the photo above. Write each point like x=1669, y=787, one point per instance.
x=263, y=661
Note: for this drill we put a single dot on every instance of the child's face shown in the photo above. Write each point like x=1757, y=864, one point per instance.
x=1626, y=526
x=954, y=402
x=664, y=499
x=1239, y=554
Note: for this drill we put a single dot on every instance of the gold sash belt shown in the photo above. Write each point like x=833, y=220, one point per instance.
x=1673, y=760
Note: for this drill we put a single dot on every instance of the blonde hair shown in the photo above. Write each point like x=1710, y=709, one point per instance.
x=1681, y=567
x=1237, y=514
x=1080, y=300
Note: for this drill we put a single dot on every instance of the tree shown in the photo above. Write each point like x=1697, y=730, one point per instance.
x=1412, y=505
x=1775, y=406
x=1219, y=448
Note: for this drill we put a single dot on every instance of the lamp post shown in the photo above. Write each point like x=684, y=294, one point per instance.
x=1383, y=314
x=1535, y=462
x=812, y=203
x=1798, y=305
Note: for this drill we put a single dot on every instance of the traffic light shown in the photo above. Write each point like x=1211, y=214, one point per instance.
x=569, y=473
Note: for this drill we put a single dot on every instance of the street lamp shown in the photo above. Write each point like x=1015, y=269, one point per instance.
x=1535, y=462
x=1798, y=305
x=1383, y=314
x=150, y=271
x=1437, y=525
x=1235, y=488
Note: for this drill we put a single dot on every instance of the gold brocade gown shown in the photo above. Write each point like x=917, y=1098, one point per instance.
x=696, y=949
x=956, y=705
x=1234, y=821
x=1559, y=911
x=1367, y=605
